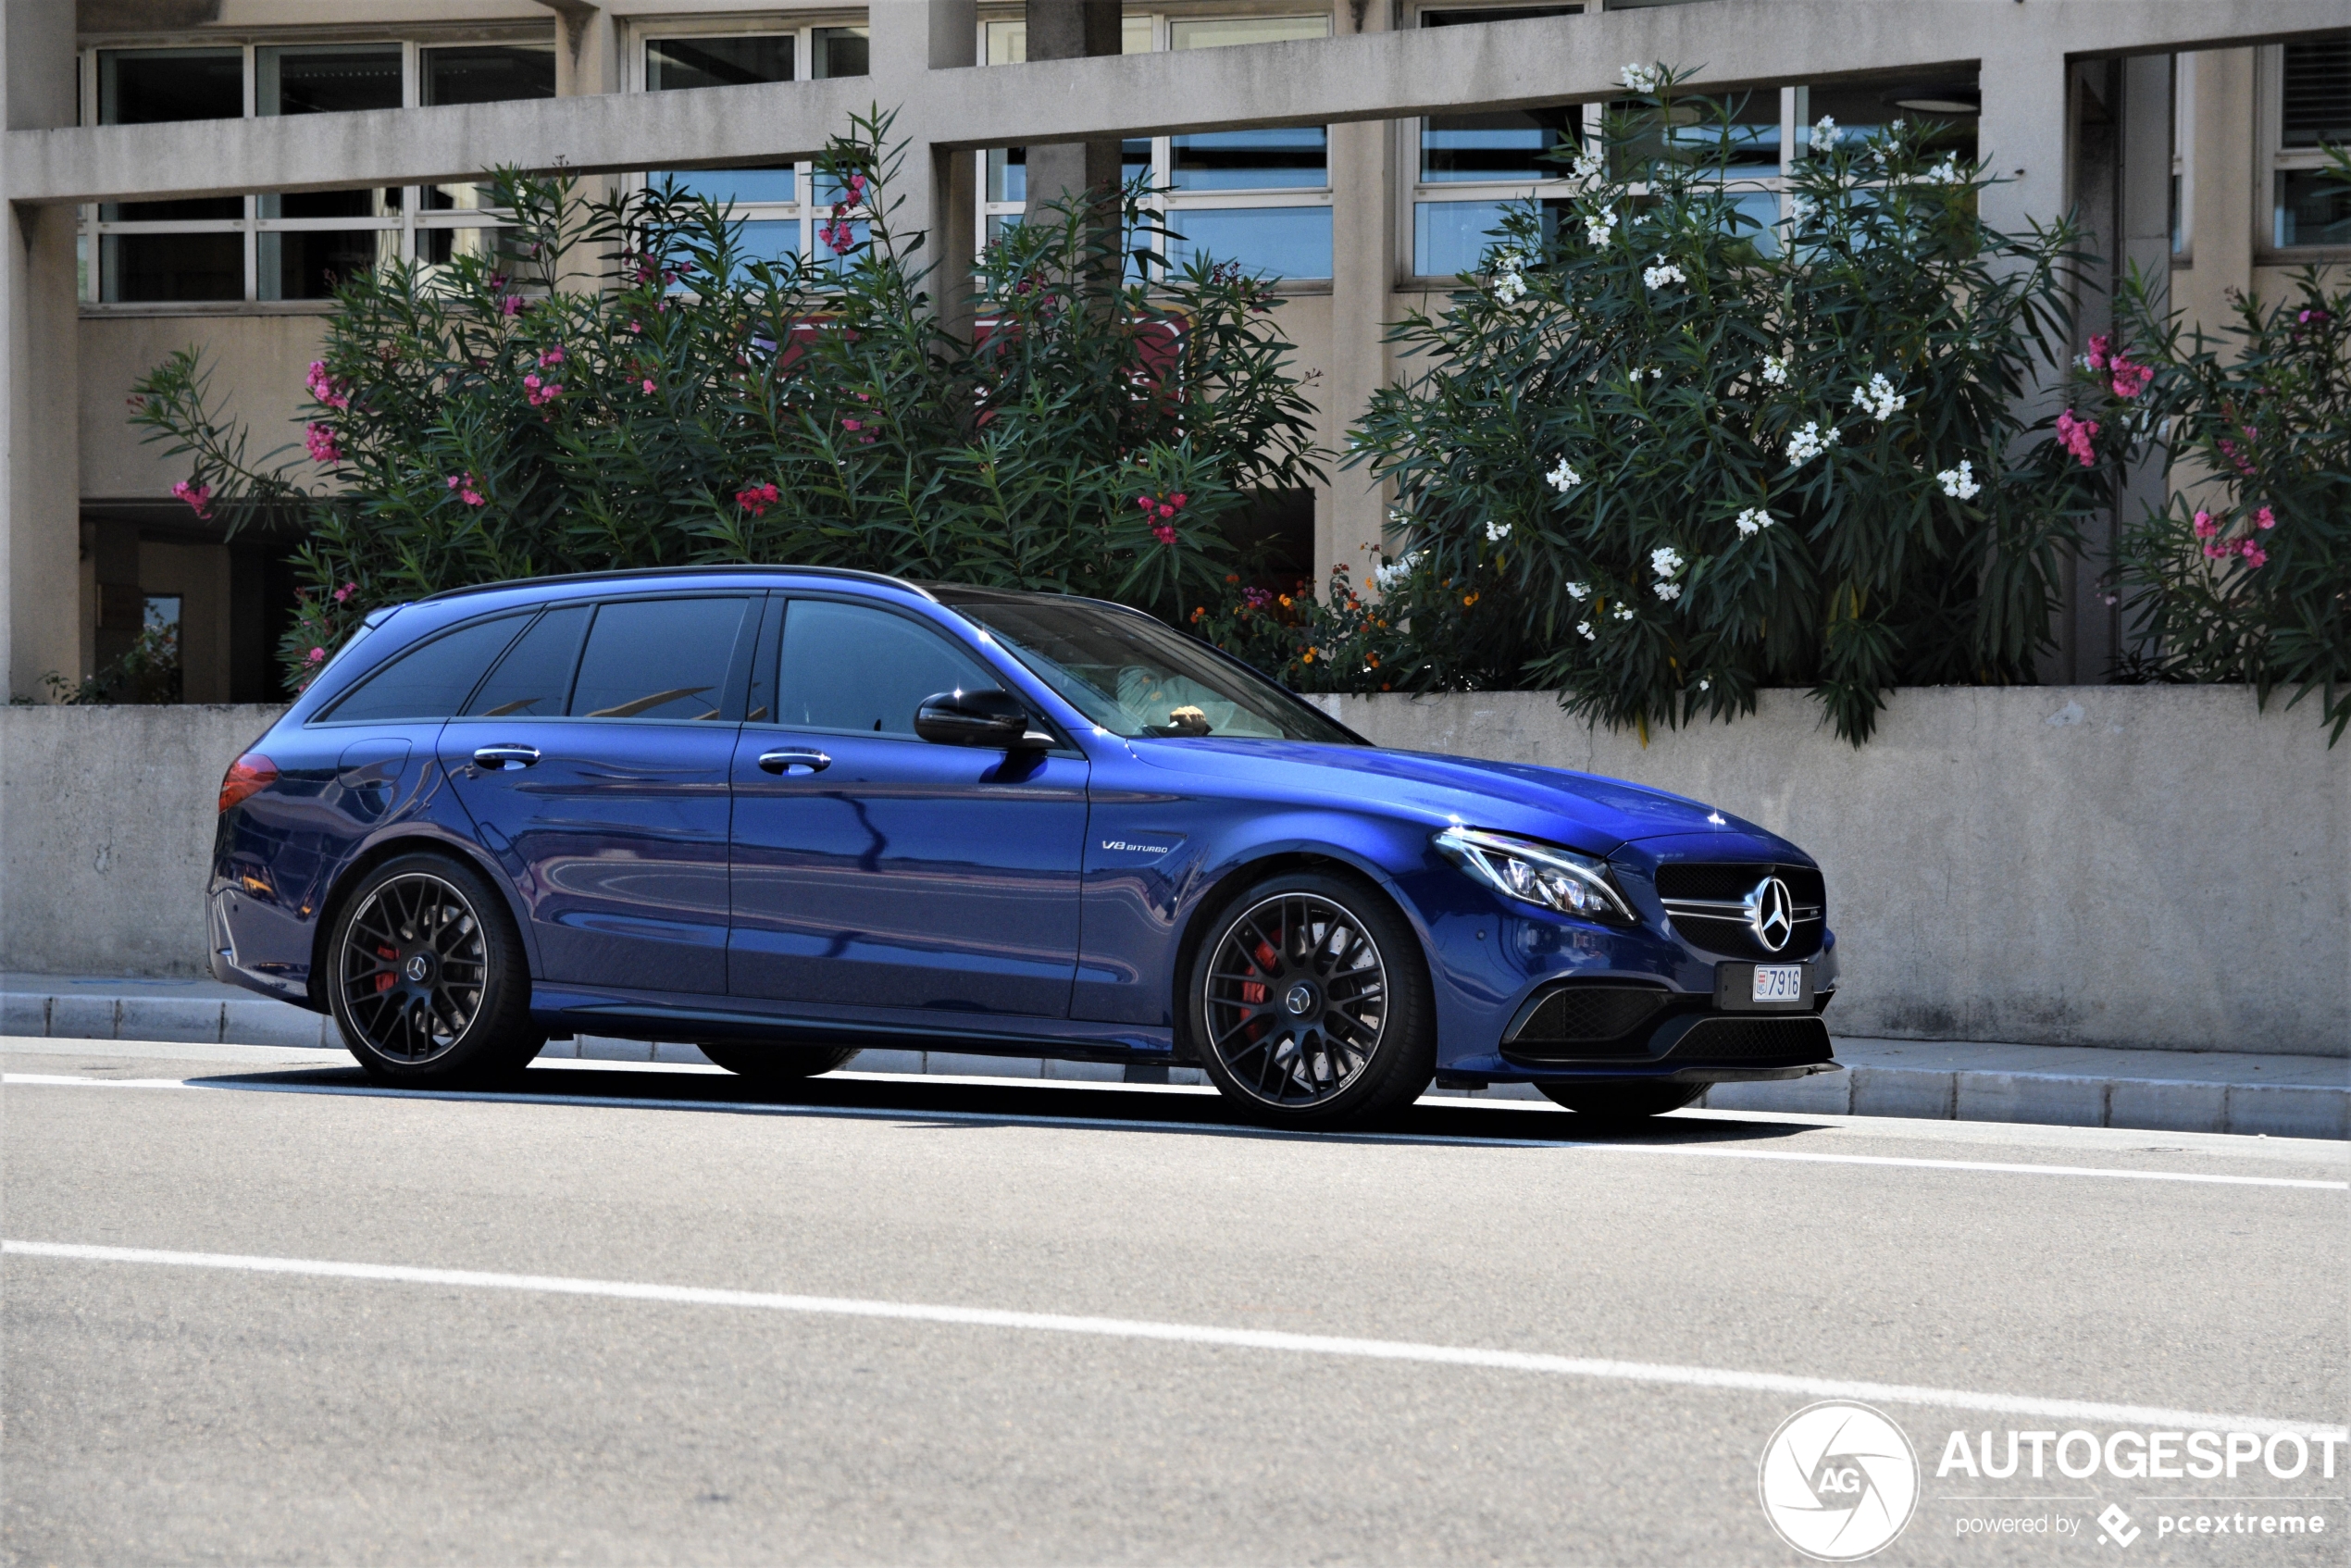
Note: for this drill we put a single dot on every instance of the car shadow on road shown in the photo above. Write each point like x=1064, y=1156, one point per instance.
x=1126, y=1107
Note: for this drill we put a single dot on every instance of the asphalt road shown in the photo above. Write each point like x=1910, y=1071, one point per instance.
x=636, y=1314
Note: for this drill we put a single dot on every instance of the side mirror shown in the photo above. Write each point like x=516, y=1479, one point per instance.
x=985, y=716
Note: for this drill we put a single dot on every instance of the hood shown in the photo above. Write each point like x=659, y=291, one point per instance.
x=1582, y=811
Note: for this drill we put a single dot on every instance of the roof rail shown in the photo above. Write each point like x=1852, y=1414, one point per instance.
x=617, y=575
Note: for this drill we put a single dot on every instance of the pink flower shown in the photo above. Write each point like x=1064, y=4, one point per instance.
x=1163, y=532
x=510, y=305
x=636, y=326
x=649, y=383
x=530, y=381
x=197, y=496
x=320, y=440
x=2205, y=527
x=1166, y=511
x=470, y=497
x=325, y=388
x=2130, y=380
x=1177, y=498
x=2265, y=518
x=757, y=498
x=345, y=591
x=851, y=425
x=2075, y=435
x=2254, y=555
x=1144, y=501
x=2098, y=352
x=2314, y=316
x=553, y=357
x=464, y=484
x=2216, y=551
x=316, y=654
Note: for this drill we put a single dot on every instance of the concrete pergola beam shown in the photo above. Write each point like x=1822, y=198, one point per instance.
x=1731, y=44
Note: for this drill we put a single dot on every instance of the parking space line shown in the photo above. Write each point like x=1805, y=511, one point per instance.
x=629, y=1102
x=1192, y=1334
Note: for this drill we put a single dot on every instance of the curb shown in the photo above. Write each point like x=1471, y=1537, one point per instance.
x=2152, y=1104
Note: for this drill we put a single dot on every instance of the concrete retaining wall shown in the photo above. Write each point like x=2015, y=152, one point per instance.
x=2158, y=866
x=2150, y=866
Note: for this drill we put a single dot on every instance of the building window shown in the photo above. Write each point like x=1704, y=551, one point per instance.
x=780, y=205
x=2312, y=98
x=1257, y=198
x=293, y=245
x=1472, y=167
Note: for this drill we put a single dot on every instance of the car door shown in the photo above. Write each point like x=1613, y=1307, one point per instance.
x=874, y=869
x=594, y=760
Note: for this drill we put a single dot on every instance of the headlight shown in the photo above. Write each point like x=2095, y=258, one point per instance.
x=1520, y=869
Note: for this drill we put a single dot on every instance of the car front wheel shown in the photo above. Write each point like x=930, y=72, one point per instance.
x=428, y=984
x=1310, y=1004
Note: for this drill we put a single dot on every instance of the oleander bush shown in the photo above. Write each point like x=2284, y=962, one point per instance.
x=621, y=385
x=2244, y=575
x=1662, y=455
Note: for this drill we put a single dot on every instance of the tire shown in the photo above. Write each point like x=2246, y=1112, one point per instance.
x=779, y=1064
x=426, y=979
x=1309, y=1003
x=1622, y=1100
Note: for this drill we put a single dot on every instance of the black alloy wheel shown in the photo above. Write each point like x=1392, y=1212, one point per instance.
x=1621, y=1099
x=1311, y=1005
x=778, y=1063
x=428, y=983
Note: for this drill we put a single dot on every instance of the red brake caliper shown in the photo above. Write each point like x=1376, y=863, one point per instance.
x=1253, y=991
x=390, y=955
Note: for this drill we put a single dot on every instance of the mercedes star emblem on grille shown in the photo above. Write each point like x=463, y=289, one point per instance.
x=1770, y=913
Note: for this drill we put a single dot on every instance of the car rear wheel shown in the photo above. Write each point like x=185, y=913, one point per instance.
x=1622, y=1100
x=1310, y=1004
x=427, y=982
x=778, y=1063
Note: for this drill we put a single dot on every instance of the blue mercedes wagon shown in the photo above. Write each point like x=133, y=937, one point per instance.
x=789, y=813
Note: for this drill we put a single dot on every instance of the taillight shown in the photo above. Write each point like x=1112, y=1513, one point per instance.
x=249, y=774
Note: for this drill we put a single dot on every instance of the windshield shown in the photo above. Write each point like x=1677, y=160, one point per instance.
x=1134, y=677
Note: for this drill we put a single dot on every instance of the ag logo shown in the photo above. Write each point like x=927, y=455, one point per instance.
x=1838, y=1481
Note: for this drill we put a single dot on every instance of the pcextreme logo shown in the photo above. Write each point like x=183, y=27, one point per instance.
x=1838, y=1481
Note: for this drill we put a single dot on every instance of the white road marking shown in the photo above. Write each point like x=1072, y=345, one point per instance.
x=1196, y=1334
x=363, y=1091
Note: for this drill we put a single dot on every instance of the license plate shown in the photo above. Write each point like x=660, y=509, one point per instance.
x=1779, y=982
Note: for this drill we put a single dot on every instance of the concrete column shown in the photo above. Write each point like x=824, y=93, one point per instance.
x=936, y=189
x=1350, y=516
x=2228, y=196
x=1069, y=30
x=40, y=570
x=2143, y=221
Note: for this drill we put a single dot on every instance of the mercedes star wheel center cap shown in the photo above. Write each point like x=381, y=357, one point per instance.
x=418, y=968
x=1299, y=1000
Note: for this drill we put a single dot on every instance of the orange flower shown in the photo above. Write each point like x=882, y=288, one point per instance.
x=1284, y=601
x=1467, y=600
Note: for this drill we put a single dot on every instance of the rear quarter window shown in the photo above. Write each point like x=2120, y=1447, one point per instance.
x=432, y=679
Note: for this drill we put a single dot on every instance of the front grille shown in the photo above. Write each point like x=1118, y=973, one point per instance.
x=1703, y=898
x=1790, y=1041
x=1589, y=1014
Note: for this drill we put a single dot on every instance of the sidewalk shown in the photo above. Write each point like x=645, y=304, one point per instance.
x=2066, y=1085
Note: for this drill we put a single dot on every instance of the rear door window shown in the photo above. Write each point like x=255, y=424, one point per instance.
x=431, y=681
x=534, y=678
x=659, y=658
x=850, y=666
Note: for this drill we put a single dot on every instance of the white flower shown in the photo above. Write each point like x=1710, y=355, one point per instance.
x=1665, y=560
x=1643, y=79
x=1562, y=479
x=1652, y=373
x=1393, y=574
x=1825, y=131
x=1510, y=288
x=1810, y=441
x=1753, y=521
x=1775, y=369
x=1589, y=167
x=1879, y=398
x=1579, y=591
x=1800, y=209
x=1584, y=629
x=1496, y=532
x=1947, y=171
x=1668, y=590
x=1960, y=482
x=1664, y=272
x=1600, y=227
x=1706, y=686
x=1622, y=612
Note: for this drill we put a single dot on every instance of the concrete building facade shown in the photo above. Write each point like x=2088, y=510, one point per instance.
x=197, y=172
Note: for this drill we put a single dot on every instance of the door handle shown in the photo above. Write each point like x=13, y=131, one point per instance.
x=497, y=757
x=784, y=761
